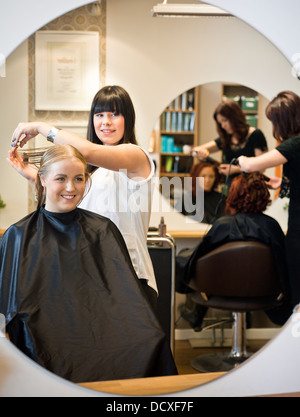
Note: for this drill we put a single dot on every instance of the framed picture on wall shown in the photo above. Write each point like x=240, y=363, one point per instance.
x=66, y=70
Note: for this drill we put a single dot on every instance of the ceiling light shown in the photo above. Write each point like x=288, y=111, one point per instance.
x=186, y=10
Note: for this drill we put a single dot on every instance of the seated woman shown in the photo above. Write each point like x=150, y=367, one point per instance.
x=214, y=203
x=70, y=295
x=248, y=198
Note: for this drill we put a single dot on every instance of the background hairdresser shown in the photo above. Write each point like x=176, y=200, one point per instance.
x=236, y=138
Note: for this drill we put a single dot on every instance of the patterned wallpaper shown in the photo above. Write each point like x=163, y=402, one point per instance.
x=81, y=19
x=78, y=19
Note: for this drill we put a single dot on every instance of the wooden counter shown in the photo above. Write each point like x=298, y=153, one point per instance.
x=187, y=234
x=152, y=386
x=179, y=234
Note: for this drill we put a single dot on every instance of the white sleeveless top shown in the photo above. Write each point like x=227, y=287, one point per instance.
x=127, y=202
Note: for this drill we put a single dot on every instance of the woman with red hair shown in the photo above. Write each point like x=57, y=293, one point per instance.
x=214, y=204
x=248, y=194
x=247, y=200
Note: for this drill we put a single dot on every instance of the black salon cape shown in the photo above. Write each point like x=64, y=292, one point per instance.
x=240, y=227
x=73, y=302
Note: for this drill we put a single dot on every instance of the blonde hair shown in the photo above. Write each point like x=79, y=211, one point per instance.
x=55, y=154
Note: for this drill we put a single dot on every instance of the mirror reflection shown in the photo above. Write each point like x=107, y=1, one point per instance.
x=199, y=134
x=187, y=161
x=213, y=123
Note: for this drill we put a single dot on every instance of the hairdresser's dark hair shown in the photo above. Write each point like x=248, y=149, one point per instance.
x=284, y=113
x=233, y=112
x=248, y=193
x=116, y=100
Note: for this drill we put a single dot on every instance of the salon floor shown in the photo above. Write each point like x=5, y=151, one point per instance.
x=184, y=353
x=186, y=350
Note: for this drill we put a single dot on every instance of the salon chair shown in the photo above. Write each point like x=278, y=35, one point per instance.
x=239, y=277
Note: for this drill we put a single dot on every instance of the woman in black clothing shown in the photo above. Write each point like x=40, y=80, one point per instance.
x=236, y=137
x=284, y=113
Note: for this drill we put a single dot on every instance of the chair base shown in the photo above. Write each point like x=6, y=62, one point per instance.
x=216, y=362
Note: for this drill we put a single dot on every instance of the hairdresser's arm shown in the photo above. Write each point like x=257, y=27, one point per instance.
x=122, y=157
x=205, y=150
x=262, y=162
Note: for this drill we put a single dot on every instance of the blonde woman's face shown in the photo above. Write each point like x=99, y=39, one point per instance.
x=64, y=185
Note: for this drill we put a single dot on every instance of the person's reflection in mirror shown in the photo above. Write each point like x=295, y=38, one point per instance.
x=245, y=220
x=214, y=204
x=72, y=300
x=236, y=138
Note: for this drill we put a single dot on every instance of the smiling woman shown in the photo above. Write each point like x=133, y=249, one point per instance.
x=68, y=288
x=118, y=164
x=140, y=31
x=61, y=184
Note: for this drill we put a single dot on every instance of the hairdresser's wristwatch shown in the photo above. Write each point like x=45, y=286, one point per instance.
x=51, y=135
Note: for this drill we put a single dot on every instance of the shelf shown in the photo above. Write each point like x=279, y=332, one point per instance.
x=173, y=174
x=243, y=95
x=176, y=132
x=187, y=155
x=179, y=111
x=182, y=113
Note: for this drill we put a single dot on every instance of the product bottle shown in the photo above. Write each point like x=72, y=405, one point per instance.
x=162, y=228
x=176, y=165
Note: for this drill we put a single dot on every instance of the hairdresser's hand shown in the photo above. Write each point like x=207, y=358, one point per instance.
x=243, y=160
x=224, y=169
x=274, y=183
x=200, y=152
x=26, y=131
x=28, y=171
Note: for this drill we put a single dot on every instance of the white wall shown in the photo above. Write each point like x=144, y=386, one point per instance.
x=156, y=59
x=14, y=108
x=276, y=19
x=20, y=19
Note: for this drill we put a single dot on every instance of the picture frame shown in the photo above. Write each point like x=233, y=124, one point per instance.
x=67, y=70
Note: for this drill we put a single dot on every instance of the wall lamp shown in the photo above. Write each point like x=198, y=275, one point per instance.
x=166, y=9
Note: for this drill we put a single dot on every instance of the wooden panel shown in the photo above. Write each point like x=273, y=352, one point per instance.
x=152, y=386
x=188, y=233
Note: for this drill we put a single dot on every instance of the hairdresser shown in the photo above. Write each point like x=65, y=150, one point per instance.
x=284, y=113
x=236, y=138
x=121, y=181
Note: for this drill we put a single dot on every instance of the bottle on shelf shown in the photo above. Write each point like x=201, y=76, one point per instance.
x=162, y=228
